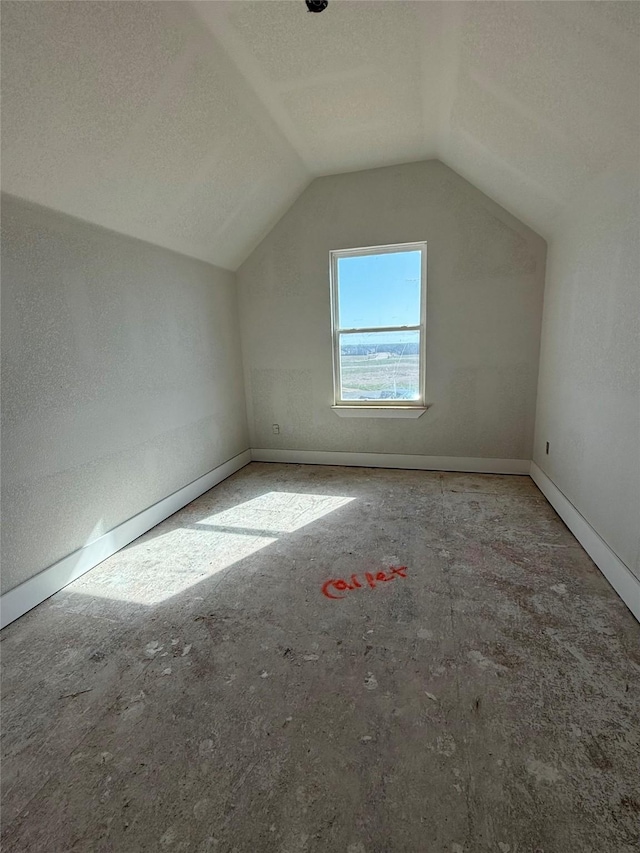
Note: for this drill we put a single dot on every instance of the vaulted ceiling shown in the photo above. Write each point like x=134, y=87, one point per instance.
x=195, y=125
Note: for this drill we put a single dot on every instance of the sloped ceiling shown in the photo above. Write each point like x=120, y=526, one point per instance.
x=195, y=126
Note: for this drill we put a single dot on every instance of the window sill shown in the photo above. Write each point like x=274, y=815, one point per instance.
x=379, y=411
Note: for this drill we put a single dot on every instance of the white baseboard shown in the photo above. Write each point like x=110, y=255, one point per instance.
x=621, y=578
x=462, y=464
x=32, y=592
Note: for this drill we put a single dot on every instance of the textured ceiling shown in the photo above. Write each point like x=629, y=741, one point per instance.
x=194, y=126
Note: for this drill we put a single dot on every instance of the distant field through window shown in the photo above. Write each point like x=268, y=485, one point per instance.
x=378, y=313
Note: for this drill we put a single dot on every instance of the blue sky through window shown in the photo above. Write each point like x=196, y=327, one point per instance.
x=379, y=290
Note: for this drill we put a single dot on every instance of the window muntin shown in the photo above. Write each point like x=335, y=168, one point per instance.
x=378, y=313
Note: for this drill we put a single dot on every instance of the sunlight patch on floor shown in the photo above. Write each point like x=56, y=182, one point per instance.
x=277, y=512
x=161, y=566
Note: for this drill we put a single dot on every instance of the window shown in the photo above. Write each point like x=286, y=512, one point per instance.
x=378, y=303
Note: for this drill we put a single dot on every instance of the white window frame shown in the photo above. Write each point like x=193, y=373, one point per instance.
x=378, y=408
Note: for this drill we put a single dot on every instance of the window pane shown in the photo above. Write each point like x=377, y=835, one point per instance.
x=379, y=290
x=380, y=365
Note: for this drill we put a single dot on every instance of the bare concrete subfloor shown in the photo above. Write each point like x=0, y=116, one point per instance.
x=200, y=690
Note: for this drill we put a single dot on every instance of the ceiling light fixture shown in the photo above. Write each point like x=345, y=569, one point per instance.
x=316, y=5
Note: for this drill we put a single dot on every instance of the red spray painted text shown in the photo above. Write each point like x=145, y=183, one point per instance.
x=330, y=587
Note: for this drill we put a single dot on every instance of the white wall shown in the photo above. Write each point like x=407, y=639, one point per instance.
x=121, y=381
x=589, y=391
x=484, y=305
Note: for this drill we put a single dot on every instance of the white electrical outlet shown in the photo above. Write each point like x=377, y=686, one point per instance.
x=276, y=429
